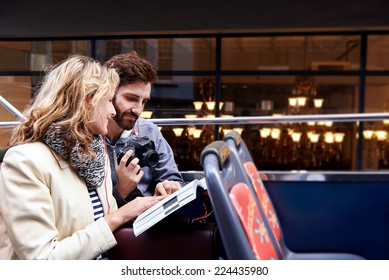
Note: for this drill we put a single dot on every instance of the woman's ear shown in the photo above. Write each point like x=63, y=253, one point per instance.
x=88, y=100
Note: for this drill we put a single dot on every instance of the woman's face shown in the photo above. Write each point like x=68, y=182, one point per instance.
x=105, y=110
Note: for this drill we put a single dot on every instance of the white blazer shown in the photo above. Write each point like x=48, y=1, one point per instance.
x=45, y=209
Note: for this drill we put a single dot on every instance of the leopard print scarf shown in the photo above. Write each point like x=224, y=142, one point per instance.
x=91, y=169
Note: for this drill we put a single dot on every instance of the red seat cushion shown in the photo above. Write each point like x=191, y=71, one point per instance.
x=263, y=198
x=251, y=220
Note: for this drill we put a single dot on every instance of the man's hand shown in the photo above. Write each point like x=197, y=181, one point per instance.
x=129, y=176
x=166, y=187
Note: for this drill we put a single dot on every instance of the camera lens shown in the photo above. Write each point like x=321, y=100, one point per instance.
x=151, y=158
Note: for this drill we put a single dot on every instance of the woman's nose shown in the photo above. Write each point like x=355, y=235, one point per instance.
x=113, y=111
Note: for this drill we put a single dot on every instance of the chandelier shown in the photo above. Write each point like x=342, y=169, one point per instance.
x=188, y=141
x=376, y=144
x=311, y=145
x=303, y=100
x=204, y=108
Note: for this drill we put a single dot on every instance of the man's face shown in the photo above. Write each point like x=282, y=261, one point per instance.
x=129, y=102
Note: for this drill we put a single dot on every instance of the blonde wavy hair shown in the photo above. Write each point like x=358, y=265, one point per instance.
x=69, y=95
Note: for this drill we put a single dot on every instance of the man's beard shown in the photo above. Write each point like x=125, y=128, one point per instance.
x=126, y=125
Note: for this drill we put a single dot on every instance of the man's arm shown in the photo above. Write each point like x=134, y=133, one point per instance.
x=166, y=172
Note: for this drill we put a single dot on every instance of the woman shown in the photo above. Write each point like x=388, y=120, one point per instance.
x=56, y=194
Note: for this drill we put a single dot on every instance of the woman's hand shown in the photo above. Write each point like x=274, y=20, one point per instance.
x=131, y=211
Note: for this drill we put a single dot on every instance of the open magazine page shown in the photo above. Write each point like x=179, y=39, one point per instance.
x=167, y=206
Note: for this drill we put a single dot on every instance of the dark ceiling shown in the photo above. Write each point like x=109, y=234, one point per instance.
x=38, y=18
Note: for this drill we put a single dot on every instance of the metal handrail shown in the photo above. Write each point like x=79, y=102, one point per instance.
x=8, y=124
x=233, y=120
x=258, y=119
x=11, y=108
x=274, y=119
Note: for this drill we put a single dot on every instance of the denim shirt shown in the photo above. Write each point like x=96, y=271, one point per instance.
x=166, y=169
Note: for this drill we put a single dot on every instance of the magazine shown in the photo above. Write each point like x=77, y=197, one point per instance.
x=167, y=206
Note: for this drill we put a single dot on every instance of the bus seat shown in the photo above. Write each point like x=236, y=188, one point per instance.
x=243, y=230
x=236, y=143
x=239, y=148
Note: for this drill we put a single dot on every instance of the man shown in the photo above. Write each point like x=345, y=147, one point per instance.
x=136, y=78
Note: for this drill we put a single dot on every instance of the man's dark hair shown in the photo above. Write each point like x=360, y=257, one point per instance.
x=132, y=68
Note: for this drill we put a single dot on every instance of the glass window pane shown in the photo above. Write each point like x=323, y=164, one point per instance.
x=52, y=52
x=375, y=133
x=299, y=146
x=15, y=56
x=167, y=54
x=33, y=56
x=17, y=91
x=310, y=146
x=378, y=52
x=375, y=154
x=377, y=94
x=291, y=53
x=267, y=95
x=174, y=96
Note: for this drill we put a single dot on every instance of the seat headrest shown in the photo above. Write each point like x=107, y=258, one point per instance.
x=234, y=135
x=220, y=149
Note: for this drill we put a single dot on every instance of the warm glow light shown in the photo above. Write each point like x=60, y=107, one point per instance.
x=198, y=105
x=386, y=122
x=275, y=133
x=227, y=116
x=221, y=105
x=210, y=105
x=190, y=116
x=238, y=129
x=178, y=131
x=339, y=136
x=226, y=130
x=301, y=101
x=311, y=123
x=329, y=137
x=314, y=137
x=329, y=124
x=197, y=133
x=191, y=130
x=296, y=136
x=146, y=114
x=318, y=103
x=292, y=101
x=159, y=128
x=368, y=134
x=381, y=135
x=265, y=132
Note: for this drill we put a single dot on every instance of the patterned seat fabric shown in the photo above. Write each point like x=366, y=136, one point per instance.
x=252, y=222
x=265, y=206
x=263, y=198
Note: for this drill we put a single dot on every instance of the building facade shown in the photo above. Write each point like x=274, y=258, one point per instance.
x=254, y=59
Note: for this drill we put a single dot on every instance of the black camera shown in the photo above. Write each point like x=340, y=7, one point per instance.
x=143, y=148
